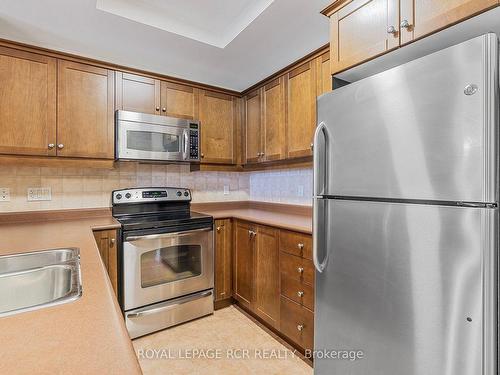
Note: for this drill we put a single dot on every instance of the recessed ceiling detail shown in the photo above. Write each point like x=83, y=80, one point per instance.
x=215, y=22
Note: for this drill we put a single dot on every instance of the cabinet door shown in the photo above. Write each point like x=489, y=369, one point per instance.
x=179, y=100
x=223, y=262
x=218, y=117
x=253, y=117
x=301, y=109
x=137, y=93
x=426, y=16
x=324, y=74
x=244, y=263
x=360, y=31
x=27, y=103
x=85, y=111
x=274, y=120
x=106, y=243
x=267, y=285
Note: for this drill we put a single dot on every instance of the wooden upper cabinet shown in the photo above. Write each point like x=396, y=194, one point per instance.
x=273, y=133
x=223, y=259
x=85, y=111
x=253, y=121
x=267, y=275
x=137, y=93
x=179, y=100
x=422, y=17
x=360, y=30
x=301, y=110
x=218, y=117
x=243, y=266
x=27, y=103
x=324, y=74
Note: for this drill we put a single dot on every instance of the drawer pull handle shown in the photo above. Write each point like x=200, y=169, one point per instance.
x=300, y=270
x=300, y=246
x=300, y=293
x=300, y=327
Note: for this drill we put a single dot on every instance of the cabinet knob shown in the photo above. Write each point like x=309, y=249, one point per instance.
x=392, y=30
x=60, y=146
x=164, y=110
x=300, y=270
x=157, y=109
x=300, y=246
x=300, y=327
x=405, y=24
x=112, y=241
x=258, y=154
x=218, y=229
x=251, y=233
x=202, y=155
x=312, y=146
x=51, y=146
x=300, y=293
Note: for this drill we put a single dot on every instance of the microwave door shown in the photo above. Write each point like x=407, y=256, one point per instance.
x=151, y=142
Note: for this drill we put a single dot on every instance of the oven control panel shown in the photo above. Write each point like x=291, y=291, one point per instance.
x=144, y=195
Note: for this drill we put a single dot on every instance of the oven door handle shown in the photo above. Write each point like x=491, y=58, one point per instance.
x=165, y=235
x=170, y=305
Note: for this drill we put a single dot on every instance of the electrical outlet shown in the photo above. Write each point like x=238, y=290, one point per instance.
x=300, y=190
x=4, y=195
x=226, y=190
x=39, y=194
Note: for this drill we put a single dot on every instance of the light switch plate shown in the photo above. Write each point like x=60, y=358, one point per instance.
x=39, y=194
x=226, y=190
x=300, y=190
x=4, y=195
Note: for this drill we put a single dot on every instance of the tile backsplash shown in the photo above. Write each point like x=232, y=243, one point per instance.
x=282, y=186
x=91, y=188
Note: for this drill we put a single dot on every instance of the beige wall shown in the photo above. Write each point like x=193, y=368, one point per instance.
x=89, y=188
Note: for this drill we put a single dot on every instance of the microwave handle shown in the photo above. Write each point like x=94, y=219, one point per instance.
x=185, y=148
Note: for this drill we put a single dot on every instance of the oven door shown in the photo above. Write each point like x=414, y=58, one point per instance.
x=158, y=267
x=143, y=141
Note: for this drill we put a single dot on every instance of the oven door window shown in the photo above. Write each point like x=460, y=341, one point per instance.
x=153, y=141
x=170, y=264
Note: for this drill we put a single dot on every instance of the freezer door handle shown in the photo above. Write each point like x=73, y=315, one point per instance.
x=320, y=155
x=320, y=223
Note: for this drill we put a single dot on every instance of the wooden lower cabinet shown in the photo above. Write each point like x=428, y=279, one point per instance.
x=272, y=284
x=244, y=245
x=107, y=244
x=267, y=282
x=223, y=259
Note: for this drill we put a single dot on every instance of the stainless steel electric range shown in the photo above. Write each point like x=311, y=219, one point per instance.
x=167, y=271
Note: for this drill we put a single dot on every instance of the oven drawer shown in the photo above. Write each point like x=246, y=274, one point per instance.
x=169, y=313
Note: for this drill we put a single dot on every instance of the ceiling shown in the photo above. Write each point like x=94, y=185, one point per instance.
x=227, y=43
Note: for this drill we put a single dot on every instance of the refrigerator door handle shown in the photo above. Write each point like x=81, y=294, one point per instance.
x=320, y=225
x=320, y=157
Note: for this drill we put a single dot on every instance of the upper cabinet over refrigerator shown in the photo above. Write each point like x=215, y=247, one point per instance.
x=424, y=130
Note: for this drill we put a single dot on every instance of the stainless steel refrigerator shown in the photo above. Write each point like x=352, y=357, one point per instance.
x=406, y=218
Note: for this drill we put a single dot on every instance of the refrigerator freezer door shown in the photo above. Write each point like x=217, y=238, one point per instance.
x=404, y=284
x=423, y=130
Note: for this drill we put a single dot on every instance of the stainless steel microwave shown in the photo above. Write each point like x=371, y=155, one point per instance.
x=141, y=136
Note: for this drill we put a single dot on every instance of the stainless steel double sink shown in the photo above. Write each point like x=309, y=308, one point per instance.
x=34, y=280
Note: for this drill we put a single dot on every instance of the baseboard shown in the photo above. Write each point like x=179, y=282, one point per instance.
x=223, y=303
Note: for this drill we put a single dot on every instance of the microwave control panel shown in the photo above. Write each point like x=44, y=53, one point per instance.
x=194, y=141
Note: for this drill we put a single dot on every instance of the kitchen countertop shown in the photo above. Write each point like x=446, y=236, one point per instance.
x=289, y=217
x=86, y=336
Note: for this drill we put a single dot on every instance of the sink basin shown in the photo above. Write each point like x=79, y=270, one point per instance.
x=39, y=279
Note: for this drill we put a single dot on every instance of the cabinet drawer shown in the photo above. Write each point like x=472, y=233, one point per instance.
x=296, y=243
x=297, y=323
x=297, y=291
x=297, y=268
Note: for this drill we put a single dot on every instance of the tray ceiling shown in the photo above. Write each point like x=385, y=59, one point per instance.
x=226, y=43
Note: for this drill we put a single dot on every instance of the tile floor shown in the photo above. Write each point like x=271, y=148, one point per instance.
x=228, y=331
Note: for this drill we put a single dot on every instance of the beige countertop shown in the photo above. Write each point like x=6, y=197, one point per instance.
x=86, y=336
x=281, y=216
